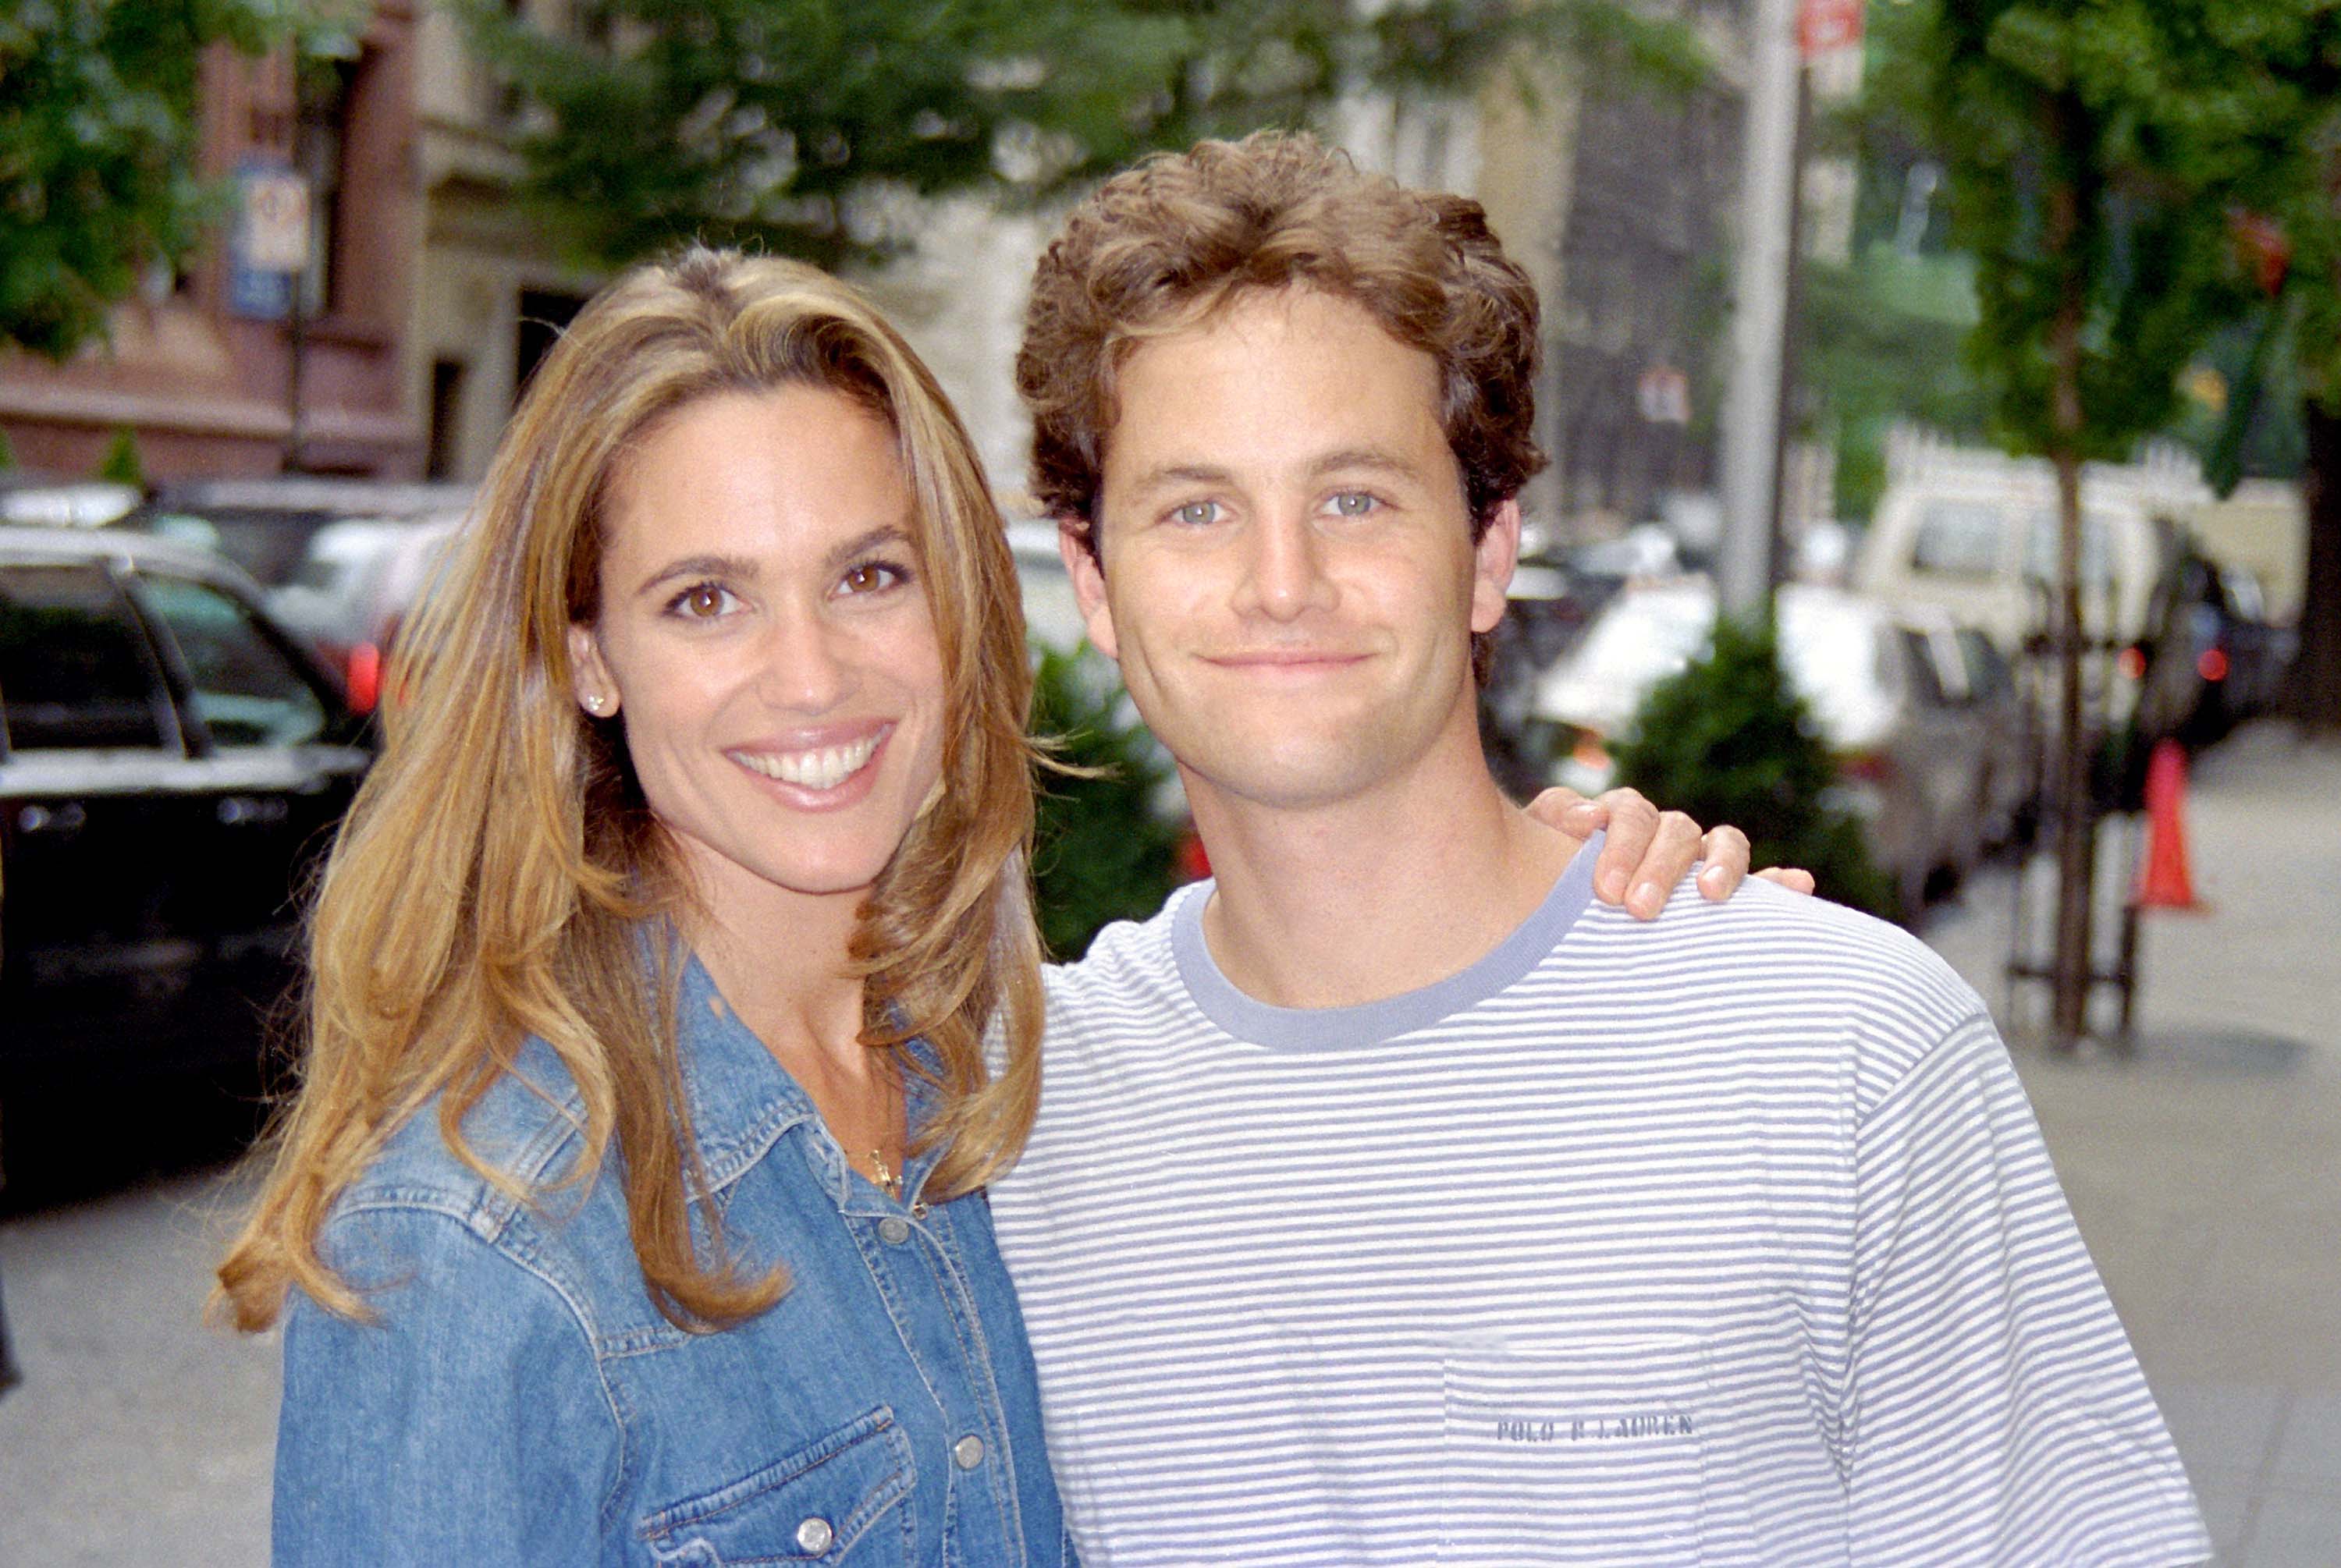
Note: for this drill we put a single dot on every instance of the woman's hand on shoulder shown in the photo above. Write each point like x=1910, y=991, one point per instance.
x=1648, y=850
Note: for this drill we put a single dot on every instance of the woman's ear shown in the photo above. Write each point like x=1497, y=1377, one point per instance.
x=589, y=674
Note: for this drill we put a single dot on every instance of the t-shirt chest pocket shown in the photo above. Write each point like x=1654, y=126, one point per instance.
x=1579, y=1451
x=839, y=1500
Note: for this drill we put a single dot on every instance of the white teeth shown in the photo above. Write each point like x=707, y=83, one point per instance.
x=823, y=769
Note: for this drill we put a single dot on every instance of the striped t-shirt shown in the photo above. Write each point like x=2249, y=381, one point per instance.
x=1724, y=1239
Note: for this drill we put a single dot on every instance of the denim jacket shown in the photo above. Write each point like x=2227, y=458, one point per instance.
x=520, y=1399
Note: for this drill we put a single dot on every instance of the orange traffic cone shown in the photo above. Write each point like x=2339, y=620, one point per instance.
x=2163, y=882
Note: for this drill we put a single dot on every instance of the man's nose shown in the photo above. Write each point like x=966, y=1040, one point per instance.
x=1285, y=571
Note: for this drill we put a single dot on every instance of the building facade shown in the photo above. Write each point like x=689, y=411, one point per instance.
x=202, y=370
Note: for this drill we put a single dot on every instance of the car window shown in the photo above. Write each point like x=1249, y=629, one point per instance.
x=247, y=692
x=1962, y=538
x=1988, y=672
x=1924, y=674
x=75, y=673
x=2097, y=548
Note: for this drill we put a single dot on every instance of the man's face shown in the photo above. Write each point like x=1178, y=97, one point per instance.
x=1288, y=580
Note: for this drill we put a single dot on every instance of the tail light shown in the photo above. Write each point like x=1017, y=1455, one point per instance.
x=364, y=677
x=2211, y=665
x=2132, y=663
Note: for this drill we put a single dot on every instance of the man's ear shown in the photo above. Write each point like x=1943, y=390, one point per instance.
x=1073, y=536
x=1498, y=551
x=589, y=674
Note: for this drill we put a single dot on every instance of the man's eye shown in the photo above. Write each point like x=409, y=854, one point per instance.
x=1196, y=513
x=1354, y=503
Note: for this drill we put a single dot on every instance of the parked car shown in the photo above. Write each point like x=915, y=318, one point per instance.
x=265, y=525
x=352, y=590
x=172, y=760
x=1980, y=543
x=1914, y=733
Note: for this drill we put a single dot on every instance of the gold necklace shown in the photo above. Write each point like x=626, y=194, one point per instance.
x=888, y=1180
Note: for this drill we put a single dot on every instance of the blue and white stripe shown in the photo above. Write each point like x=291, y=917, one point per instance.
x=1726, y=1239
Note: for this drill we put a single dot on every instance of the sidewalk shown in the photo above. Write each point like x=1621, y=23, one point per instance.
x=2205, y=1171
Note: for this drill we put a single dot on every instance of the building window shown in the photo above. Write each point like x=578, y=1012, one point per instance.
x=445, y=451
x=544, y=314
x=321, y=151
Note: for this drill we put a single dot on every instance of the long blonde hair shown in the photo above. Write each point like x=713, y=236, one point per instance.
x=491, y=881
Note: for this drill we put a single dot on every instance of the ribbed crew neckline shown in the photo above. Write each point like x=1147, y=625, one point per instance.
x=1368, y=1023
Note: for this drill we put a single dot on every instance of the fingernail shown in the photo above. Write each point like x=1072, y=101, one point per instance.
x=1649, y=896
x=1613, y=886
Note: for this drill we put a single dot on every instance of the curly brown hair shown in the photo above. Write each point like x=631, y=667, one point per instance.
x=1161, y=246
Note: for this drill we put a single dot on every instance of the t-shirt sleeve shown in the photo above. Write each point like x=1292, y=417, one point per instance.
x=1993, y=1412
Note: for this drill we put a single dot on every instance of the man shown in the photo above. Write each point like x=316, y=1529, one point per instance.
x=1393, y=1201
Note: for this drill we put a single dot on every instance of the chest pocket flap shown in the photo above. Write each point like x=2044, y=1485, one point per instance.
x=837, y=1500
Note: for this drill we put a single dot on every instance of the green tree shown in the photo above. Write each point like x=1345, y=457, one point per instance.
x=2088, y=145
x=2286, y=223
x=99, y=143
x=1882, y=342
x=809, y=127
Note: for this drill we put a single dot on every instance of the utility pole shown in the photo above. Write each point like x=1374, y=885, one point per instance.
x=1759, y=315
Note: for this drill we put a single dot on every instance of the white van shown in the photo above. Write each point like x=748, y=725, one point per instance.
x=1975, y=536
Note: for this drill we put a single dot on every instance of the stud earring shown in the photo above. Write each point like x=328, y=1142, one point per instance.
x=595, y=702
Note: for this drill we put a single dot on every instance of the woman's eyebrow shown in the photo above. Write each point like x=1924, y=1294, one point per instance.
x=876, y=539
x=739, y=569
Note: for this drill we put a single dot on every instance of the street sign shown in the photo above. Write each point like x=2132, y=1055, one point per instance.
x=275, y=228
x=268, y=246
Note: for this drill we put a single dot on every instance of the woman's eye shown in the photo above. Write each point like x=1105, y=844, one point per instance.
x=1354, y=503
x=1196, y=513
x=870, y=576
x=702, y=601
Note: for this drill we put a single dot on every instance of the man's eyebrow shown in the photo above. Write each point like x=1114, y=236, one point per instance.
x=1371, y=457
x=1182, y=473
x=1349, y=459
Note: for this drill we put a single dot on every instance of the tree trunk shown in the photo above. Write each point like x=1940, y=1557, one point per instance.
x=2076, y=816
x=2314, y=685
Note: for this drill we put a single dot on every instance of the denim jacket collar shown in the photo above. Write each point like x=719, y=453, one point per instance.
x=744, y=1102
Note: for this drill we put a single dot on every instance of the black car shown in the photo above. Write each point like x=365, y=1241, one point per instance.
x=171, y=762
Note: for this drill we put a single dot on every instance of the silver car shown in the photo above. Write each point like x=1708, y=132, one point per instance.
x=1922, y=744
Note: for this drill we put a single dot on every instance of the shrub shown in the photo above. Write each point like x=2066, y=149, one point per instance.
x=1102, y=850
x=1728, y=740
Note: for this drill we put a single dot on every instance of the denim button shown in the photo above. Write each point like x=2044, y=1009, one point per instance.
x=814, y=1536
x=894, y=1230
x=968, y=1452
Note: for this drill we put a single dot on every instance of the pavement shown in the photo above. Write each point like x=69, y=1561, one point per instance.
x=2204, y=1167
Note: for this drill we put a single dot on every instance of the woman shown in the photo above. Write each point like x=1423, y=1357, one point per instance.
x=631, y=1208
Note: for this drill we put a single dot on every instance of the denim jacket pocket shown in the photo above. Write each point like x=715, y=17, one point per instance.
x=830, y=1502
x=1579, y=1451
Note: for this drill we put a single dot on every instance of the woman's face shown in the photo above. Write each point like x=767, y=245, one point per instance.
x=765, y=638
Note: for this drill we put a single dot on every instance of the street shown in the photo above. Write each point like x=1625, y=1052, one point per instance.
x=2205, y=1173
